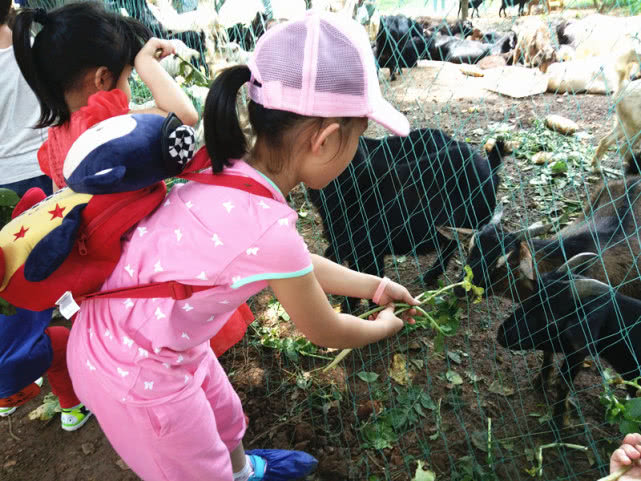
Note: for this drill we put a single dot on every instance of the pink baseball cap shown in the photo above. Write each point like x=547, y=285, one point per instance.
x=321, y=66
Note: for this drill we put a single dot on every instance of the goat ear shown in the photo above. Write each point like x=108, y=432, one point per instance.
x=526, y=264
x=456, y=233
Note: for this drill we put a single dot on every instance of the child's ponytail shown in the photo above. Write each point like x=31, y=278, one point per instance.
x=223, y=135
x=25, y=57
x=74, y=38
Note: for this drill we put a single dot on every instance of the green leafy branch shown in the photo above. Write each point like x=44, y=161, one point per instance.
x=435, y=311
x=624, y=413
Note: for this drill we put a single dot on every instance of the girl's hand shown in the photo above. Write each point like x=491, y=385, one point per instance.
x=629, y=453
x=155, y=48
x=396, y=292
x=393, y=323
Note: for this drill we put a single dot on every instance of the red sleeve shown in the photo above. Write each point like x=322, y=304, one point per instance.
x=43, y=158
x=104, y=105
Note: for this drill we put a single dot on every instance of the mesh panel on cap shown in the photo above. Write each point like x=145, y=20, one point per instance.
x=281, y=58
x=344, y=77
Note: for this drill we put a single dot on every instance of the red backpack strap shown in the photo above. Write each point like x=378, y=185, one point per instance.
x=234, y=181
x=172, y=289
x=202, y=161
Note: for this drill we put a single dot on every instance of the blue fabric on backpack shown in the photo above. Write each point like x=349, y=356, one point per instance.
x=25, y=349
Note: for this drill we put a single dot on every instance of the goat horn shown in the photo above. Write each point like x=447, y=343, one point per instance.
x=447, y=231
x=535, y=230
x=498, y=213
x=590, y=287
x=577, y=261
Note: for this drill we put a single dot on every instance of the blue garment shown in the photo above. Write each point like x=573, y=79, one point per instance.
x=25, y=349
x=23, y=186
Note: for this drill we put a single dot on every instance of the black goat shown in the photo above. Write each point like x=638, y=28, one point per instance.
x=396, y=193
x=512, y=3
x=577, y=316
x=399, y=43
x=247, y=37
x=473, y=4
x=139, y=10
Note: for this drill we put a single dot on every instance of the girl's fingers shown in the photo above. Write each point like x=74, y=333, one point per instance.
x=620, y=457
x=632, y=438
x=631, y=451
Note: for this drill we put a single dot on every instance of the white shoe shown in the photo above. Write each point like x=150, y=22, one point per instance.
x=7, y=411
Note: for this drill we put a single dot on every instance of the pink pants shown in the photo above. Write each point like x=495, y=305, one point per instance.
x=187, y=440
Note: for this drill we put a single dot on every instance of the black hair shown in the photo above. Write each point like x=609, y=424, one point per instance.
x=224, y=137
x=73, y=39
x=5, y=8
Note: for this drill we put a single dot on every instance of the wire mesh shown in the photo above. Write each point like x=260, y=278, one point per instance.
x=465, y=407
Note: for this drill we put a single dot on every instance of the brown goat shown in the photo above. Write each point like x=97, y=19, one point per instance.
x=534, y=45
x=610, y=230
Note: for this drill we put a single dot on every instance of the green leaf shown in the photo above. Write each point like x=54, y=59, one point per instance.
x=633, y=409
x=379, y=435
x=627, y=427
x=454, y=357
x=454, y=377
x=8, y=198
x=426, y=402
x=423, y=474
x=368, y=377
x=559, y=167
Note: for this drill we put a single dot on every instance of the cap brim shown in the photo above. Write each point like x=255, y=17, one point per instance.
x=383, y=113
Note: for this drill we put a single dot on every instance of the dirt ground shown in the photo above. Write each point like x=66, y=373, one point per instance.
x=293, y=405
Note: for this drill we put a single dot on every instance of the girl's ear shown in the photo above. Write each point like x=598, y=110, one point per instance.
x=103, y=79
x=319, y=138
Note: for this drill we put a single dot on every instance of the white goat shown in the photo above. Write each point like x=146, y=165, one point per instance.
x=171, y=63
x=627, y=124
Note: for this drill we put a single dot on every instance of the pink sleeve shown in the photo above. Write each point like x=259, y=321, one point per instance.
x=279, y=253
x=104, y=105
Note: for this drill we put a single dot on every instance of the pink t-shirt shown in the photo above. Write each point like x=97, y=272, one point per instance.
x=149, y=351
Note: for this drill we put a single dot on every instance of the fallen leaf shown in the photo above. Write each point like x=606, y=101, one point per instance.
x=423, y=474
x=454, y=377
x=399, y=371
x=498, y=387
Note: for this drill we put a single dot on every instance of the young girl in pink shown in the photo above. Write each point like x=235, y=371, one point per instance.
x=144, y=366
x=79, y=67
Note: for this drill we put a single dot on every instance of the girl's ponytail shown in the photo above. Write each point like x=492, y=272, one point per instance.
x=224, y=137
x=25, y=57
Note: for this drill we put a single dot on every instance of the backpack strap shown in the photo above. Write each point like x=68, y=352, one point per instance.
x=174, y=289
x=233, y=181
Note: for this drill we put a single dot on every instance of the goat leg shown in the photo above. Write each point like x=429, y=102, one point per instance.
x=569, y=370
x=604, y=145
x=448, y=248
x=542, y=381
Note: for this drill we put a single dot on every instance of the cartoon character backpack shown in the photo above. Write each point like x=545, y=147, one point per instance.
x=61, y=250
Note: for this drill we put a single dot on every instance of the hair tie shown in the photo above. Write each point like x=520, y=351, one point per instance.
x=41, y=16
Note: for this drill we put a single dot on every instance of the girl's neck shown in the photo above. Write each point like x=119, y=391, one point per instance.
x=283, y=180
x=6, y=37
x=76, y=99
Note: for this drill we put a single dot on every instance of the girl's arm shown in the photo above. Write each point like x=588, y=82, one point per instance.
x=308, y=307
x=341, y=281
x=169, y=97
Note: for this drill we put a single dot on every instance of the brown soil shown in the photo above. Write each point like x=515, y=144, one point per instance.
x=290, y=406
